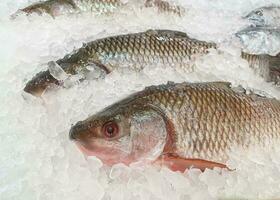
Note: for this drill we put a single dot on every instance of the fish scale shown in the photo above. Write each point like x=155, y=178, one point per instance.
x=138, y=50
x=209, y=136
x=203, y=122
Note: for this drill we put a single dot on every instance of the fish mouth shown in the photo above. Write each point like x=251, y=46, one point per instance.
x=40, y=83
x=79, y=131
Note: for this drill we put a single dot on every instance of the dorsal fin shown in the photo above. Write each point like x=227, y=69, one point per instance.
x=167, y=32
x=240, y=89
x=228, y=86
x=221, y=84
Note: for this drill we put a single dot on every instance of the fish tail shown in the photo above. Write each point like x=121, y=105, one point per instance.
x=274, y=69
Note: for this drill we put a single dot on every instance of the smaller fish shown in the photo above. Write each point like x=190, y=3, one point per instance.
x=265, y=16
x=260, y=40
x=164, y=6
x=60, y=7
x=136, y=51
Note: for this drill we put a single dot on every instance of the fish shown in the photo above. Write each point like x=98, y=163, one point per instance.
x=264, y=16
x=260, y=40
x=179, y=125
x=135, y=51
x=166, y=7
x=60, y=7
x=265, y=65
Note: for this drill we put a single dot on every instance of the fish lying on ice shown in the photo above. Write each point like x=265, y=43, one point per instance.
x=265, y=16
x=60, y=7
x=135, y=51
x=179, y=125
x=260, y=40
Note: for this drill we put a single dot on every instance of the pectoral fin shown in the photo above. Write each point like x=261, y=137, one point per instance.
x=176, y=163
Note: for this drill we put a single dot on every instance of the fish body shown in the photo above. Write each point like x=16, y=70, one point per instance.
x=136, y=51
x=60, y=7
x=260, y=40
x=133, y=51
x=265, y=16
x=180, y=125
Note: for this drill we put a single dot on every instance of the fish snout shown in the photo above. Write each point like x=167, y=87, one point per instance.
x=78, y=131
x=39, y=83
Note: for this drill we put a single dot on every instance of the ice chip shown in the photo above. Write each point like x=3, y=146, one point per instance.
x=94, y=72
x=56, y=71
x=94, y=163
x=117, y=170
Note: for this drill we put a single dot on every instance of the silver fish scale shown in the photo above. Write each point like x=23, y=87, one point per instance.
x=209, y=119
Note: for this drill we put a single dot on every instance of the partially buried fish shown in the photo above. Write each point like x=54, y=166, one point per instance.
x=61, y=7
x=179, y=126
x=133, y=51
x=265, y=16
x=136, y=51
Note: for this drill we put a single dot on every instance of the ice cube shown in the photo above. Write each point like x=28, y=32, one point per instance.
x=57, y=72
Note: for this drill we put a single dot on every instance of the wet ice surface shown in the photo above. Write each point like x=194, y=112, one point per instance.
x=37, y=159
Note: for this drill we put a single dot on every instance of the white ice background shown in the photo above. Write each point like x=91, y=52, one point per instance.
x=37, y=160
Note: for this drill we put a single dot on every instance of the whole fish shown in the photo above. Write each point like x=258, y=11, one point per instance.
x=133, y=51
x=136, y=51
x=60, y=7
x=179, y=125
x=265, y=16
x=260, y=40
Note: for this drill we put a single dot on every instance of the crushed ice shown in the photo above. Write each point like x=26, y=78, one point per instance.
x=37, y=159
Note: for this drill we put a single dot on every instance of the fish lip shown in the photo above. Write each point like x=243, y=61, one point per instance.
x=33, y=90
x=40, y=82
x=76, y=130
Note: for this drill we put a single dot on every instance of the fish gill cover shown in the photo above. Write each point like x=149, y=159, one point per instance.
x=37, y=160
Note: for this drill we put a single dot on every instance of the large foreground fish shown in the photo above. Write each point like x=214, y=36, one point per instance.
x=136, y=51
x=179, y=125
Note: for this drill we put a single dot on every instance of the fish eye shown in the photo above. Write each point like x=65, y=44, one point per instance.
x=110, y=129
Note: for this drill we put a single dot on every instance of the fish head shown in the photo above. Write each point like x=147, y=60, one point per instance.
x=39, y=83
x=122, y=133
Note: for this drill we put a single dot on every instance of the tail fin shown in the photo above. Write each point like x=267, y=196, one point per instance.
x=274, y=69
